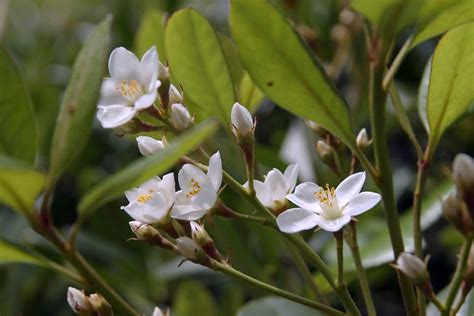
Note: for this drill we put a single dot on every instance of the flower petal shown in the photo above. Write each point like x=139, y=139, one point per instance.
x=150, y=185
x=135, y=211
x=277, y=185
x=291, y=175
x=113, y=116
x=110, y=95
x=156, y=209
x=167, y=187
x=348, y=188
x=296, y=219
x=145, y=101
x=132, y=194
x=189, y=173
x=149, y=67
x=263, y=192
x=335, y=224
x=304, y=196
x=361, y=203
x=206, y=198
x=123, y=65
x=215, y=170
x=187, y=212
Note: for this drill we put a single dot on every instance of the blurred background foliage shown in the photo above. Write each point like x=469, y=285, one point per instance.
x=44, y=37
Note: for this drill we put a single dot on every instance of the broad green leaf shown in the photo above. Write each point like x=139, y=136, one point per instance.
x=10, y=253
x=19, y=185
x=232, y=58
x=18, y=130
x=249, y=94
x=79, y=104
x=198, y=64
x=279, y=63
x=192, y=299
x=451, y=87
x=423, y=95
x=144, y=168
x=151, y=32
x=275, y=306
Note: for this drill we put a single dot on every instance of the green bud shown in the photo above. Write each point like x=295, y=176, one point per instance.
x=100, y=305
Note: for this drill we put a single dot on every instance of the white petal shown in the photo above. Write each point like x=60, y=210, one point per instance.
x=150, y=185
x=180, y=116
x=123, y=65
x=135, y=211
x=215, y=170
x=277, y=185
x=206, y=198
x=145, y=101
x=156, y=209
x=113, y=116
x=241, y=119
x=78, y=301
x=149, y=67
x=291, y=175
x=110, y=95
x=187, y=247
x=167, y=187
x=148, y=145
x=157, y=312
x=335, y=224
x=361, y=203
x=296, y=219
x=304, y=196
x=174, y=95
x=263, y=192
x=132, y=194
x=187, y=212
x=349, y=188
x=189, y=172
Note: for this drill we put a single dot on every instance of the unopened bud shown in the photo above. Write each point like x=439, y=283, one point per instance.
x=100, y=305
x=415, y=269
x=463, y=174
x=362, y=139
x=318, y=129
x=469, y=272
x=199, y=234
x=174, y=95
x=189, y=248
x=180, y=117
x=78, y=301
x=149, y=234
x=163, y=72
x=455, y=212
x=158, y=312
x=148, y=145
x=325, y=152
x=242, y=122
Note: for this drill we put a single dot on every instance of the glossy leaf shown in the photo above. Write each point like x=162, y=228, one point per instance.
x=79, y=104
x=275, y=306
x=279, y=63
x=423, y=95
x=198, y=64
x=151, y=32
x=19, y=185
x=144, y=168
x=18, y=127
x=249, y=94
x=232, y=58
x=10, y=253
x=192, y=299
x=450, y=92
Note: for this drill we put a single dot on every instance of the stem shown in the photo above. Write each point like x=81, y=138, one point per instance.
x=396, y=63
x=288, y=295
x=363, y=281
x=340, y=256
x=432, y=297
x=458, y=275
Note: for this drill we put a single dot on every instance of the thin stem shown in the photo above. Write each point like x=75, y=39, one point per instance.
x=432, y=297
x=461, y=301
x=340, y=256
x=458, y=275
x=363, y=281
x=272, y=289
x=392, y=71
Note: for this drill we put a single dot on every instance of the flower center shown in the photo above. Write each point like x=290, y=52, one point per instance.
x=143, y=198
x=328, y=202
x=131, y=91
x=195, y=188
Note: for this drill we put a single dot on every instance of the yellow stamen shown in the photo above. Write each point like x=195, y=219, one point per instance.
x=143, y=198
x=195, y=188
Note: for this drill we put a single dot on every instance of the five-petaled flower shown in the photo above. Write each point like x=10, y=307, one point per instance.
x=151, y=202
x=132, y=87
x=327, y=208
x=198, y=193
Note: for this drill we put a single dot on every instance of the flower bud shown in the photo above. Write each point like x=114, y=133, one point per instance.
x=100, y=305
x=455, y=212
x=163, y=72
x=463, y=174
x=158, y=312
x=199, y=234
x=318, y=129
x=242, y=122
x=189, y=248
x=78, y=301
x=362, y=139
x=150, y=234
x=415, y=269
x=469, y=272
x=180, y=117
x=174, y=95
x=148, y=145
x=325, y=152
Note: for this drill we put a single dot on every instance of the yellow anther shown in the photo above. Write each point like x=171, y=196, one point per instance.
x=195, y=188
x=143, y=198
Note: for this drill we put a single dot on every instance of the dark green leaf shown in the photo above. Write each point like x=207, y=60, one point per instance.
x=79, y=104
x=151, y=32
x=279, y=63
x=18, y=130
x=144, y=168
x=275, y=306
x=192, y=299
x=198, y=64
x=10, y=253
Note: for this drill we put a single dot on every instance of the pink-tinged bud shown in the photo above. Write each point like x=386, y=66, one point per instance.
x=174, y=95
x=363, y=140
x=415, y=269
x=180, y=117
x=189, y=248
x=148, y=145
x=463, y=174
x=78, y=301
x=100, y=305
x=242, y=122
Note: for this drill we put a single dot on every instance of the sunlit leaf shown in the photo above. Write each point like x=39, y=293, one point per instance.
x=18, y=130
x=10, y=253
x=249, y=94
x=75, y=119
x=423, y=95
x=232, y=58
x=151, y=32
x=198, y=64
x=144, y=168
x=279, y=63
x=192, y=299
x=275, y=306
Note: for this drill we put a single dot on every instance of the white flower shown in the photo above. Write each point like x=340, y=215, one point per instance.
x=148, y=145
x=273, y=191
x=180, y=117
x=188, y=247
x=327, y=208
x=242, y=122
x=151, y=202
x=174, y=95
x=198, y=190
x=157, y=312
x=78, y=301
x=132, y=87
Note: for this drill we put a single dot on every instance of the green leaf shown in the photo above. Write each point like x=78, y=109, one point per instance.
x=450, y=92
x=79, y=104
x=249, y=94
x=198, y=64
x=279, y=63
x=18, y=129
x=19, y=185
x=192, y=298
x=275, y=306
x=423, y=95
x=151, y=32
x=144, y=168
x=232, y=57
x=10, y=253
